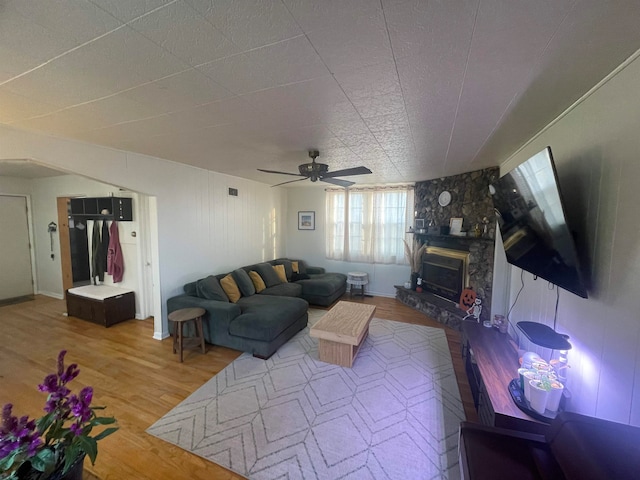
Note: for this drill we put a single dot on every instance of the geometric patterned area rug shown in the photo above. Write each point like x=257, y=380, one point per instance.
x=394, y=415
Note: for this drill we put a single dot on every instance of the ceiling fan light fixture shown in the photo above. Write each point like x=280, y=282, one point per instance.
x=320, y=171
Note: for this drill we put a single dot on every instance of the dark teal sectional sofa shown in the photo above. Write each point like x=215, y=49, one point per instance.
x=260, y=323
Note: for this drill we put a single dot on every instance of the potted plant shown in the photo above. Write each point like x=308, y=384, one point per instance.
x=414, y=256
x=53, y=446
x=539, y=393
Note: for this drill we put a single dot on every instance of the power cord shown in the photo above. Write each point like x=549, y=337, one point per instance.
x=517, y=296
x=555, y=315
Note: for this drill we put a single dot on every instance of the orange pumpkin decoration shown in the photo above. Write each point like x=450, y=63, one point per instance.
x=467, y=299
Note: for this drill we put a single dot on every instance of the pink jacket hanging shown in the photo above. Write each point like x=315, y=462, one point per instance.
x=115, y=261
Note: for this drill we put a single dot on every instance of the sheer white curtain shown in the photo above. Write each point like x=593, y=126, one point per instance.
x=368, y=225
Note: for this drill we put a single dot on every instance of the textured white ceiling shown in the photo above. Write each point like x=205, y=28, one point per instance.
x=412, y=89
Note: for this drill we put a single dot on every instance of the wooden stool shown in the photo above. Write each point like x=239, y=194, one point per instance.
x=181, y=317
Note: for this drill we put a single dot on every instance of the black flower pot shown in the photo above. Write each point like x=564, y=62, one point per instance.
x=74, y=473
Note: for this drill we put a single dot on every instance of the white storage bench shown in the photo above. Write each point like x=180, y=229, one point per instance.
x=101, y=304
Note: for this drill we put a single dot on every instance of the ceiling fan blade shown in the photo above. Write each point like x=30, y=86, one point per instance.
x=347, y=172
x=281, y=173
x=290, y=181
x=337, y=181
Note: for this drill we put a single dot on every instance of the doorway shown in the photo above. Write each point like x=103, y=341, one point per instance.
x=75, y=255
x=16, y=281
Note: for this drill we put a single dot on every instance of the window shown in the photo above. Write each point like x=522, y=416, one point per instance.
x=368, y=225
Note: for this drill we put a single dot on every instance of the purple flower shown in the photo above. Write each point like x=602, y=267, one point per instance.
x=17, y=434
x=6, y=411
x=86, y=395
x=32, y=449
x=9, y=422
x=49, y=384
x=80, y=404
x=71, y=373
x=76, y=428
x=69, y=416
x=61, y=362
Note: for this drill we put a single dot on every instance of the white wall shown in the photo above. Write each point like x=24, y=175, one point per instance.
x=15, y=186
x=44, y=194
x=310, y=245
x=201, y=230
x=596, y=147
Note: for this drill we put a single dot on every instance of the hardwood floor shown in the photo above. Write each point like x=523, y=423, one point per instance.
x=138, y=378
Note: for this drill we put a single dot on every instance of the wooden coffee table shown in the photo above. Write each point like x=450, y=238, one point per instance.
x=342, y=331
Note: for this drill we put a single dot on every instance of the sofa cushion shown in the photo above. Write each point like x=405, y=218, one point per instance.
x=190, y=289
x=230, y=287
x=282, y=274
x=264, y=317
x=294, y=267
x=210, y=289
x=268, y=274
x=283, y=290
x=299, y=276
x=323, y=284
x=258, y=283
x=288, y=268
x=244, y=282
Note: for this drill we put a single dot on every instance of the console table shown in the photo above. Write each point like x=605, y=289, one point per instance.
x=491, y=362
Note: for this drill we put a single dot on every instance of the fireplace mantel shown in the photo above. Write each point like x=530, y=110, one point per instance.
x=450, y=239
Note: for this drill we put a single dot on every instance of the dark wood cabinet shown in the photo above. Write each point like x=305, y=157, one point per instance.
x=491, y=362
x=106, y=312
x=119, y=208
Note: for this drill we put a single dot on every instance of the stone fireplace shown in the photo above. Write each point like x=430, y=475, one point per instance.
x=445, y=272
x=453, y=262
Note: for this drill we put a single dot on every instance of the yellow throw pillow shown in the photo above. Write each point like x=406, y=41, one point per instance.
x=294, y=267
x=230, y=287
x=281, y=273
x=257, y=281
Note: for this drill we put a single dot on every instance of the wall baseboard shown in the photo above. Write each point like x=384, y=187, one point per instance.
x=158, y=336
x=59, y=296
x=378, y=294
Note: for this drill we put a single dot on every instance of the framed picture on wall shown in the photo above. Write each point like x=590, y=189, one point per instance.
x=419, y=223
x=306, y=220
x=455, y=226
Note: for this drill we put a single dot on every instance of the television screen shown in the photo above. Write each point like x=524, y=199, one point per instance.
x=533, y=225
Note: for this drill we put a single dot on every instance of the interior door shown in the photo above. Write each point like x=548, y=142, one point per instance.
x=15, y=250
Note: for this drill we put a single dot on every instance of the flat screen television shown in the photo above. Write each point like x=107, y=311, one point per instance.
x=533, y=224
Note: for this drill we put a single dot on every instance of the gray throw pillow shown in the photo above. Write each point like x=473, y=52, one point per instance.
x=190, y=289
x=302, y=266
x=210, y=289
x=244, y=282
x=268, y=274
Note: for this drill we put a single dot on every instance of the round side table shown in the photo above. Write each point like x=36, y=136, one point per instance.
x=357, y=280
x=180, y=318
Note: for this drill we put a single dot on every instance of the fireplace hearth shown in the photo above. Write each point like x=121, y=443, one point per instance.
x=457, y=263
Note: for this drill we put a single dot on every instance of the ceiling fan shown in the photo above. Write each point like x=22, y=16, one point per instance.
x=320, y=171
